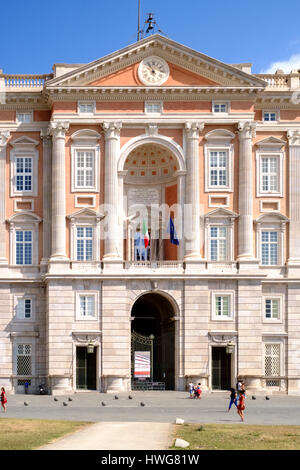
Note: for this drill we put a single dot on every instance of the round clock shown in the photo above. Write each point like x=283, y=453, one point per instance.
x=153, y=71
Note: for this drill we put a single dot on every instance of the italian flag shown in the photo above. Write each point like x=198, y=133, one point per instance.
x=145, y=233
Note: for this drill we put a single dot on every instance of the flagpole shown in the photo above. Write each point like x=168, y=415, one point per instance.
x=139, y=15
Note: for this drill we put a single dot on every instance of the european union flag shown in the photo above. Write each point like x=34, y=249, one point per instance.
x=173, y=236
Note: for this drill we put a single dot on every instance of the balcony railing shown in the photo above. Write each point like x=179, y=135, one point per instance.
x=280, y=81
x=161, y=265
x=24, y=82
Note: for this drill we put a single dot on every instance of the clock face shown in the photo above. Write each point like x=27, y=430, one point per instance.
x=153, y=71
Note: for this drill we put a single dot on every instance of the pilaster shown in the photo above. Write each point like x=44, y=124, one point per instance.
x=246, y=131
x=192, y=193
x=294, y=202
x=112, y=250
x=58, y=131
x=4, y=136
x=47, y=185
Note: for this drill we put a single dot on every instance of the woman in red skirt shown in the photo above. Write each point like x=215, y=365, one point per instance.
x=3, y=399
x=241, y=405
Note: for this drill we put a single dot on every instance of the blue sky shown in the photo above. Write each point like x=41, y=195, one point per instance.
x=36, y=34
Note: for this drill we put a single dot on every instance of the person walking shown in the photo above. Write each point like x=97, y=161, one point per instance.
x=241, y=405
x=191, y=389
x=233, y=399
x=3, y=399
x=239, y=386
x=199, y=391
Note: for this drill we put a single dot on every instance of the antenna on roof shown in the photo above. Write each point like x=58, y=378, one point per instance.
x=150, y=26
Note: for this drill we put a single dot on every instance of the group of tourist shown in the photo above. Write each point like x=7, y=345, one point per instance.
x=195, y=390
x=237, y=396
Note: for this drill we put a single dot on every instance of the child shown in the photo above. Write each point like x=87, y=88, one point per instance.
x=241, y=405
x=199, y=391
x=233, y=398
x=3, y=399
x=191, y=389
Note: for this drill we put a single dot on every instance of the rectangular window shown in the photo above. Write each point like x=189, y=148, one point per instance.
x=24, y=308
x=222, y=307
x=23, y=247
x=218, y=243
x=269, y=248
x=269, y=174
x=220, y=107
x=84, y=243
x=24, y=174
x=272, y=359
x=87, y=305
x=24, y=117
x=153, y=107
x=85, y=169
x=269, y=116
x=218, y=168
x=86, y=108
x=24, y=359
x=272, y=308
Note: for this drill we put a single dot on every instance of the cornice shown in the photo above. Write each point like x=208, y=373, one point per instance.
x=184, y=93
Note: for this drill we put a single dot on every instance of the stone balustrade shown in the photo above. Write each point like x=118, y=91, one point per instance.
x=24, y=81
x=281, y=81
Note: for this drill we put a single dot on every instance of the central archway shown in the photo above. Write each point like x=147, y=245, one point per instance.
x=153, y=315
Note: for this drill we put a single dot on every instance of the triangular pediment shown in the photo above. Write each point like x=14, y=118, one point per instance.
x=220, y=213
x=85, y=213
x=187, y=68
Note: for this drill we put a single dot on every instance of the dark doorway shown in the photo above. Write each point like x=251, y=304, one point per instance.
x=221, y=369
x=154, y=315
x=85, y=369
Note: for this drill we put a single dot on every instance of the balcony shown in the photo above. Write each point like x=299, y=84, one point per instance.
x=280, y=81
x=24, y=82
x=163, y=267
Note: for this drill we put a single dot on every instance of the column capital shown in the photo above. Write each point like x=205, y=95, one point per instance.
x=58, y=129
x=112, y=129
x=45, y=136
x=193, y=129
x=246, y=130
x=293, y=137
x=4, y=136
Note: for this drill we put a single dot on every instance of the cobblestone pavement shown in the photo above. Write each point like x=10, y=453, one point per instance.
x=160, y=407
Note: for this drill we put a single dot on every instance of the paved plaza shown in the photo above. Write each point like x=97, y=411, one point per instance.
x=160, y=407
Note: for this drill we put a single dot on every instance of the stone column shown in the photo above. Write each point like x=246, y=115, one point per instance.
x=192, y=193
x=180, y=175
x=4, y=136
x=294, y=201
x=245, y=224
x=58, y=132
x=47, y=185
x=112, y=249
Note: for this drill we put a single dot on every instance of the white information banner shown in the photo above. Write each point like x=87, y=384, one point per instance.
x=142, y=366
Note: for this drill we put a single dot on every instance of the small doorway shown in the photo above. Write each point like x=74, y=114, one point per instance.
x=221, y=369
x=86, y=366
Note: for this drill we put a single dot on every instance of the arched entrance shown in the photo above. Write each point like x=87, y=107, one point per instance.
x=153, y=317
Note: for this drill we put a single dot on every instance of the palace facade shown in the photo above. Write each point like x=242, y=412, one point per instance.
x=96, y=157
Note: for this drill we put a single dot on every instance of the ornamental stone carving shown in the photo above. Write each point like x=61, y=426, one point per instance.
x=58, y=129
x=112, y=130
x=246, y=130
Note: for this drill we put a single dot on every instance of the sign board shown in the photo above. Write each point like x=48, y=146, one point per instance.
x=142, y=364
x=143, y=196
